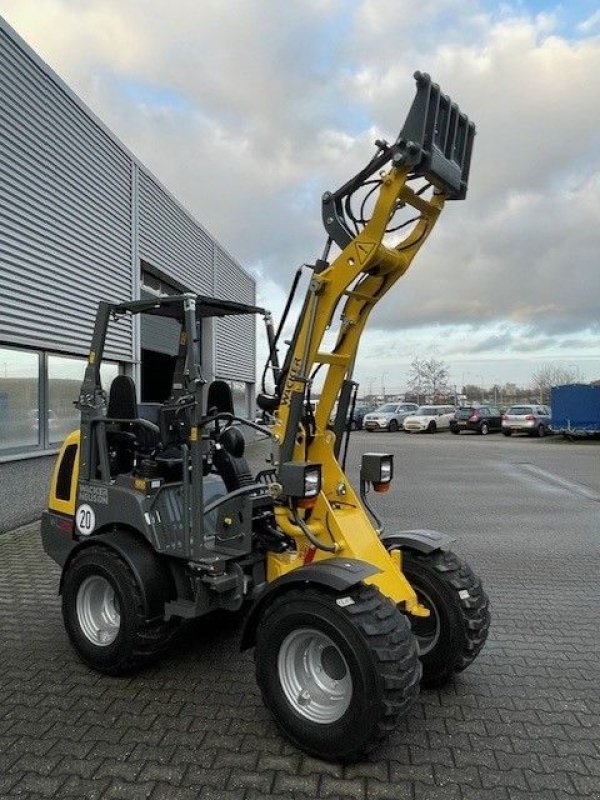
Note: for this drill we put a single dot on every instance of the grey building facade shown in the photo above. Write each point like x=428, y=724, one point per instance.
x=81, y=219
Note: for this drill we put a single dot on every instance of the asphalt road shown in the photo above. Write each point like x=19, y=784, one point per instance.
x=522, y=722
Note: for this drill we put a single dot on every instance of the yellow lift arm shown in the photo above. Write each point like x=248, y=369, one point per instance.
x=434, y=149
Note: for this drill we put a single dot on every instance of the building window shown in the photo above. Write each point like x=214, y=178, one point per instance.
x=19, y=399
x=37, y=394
x=64, y=382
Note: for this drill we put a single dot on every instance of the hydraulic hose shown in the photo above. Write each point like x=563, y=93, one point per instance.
x=328, y=548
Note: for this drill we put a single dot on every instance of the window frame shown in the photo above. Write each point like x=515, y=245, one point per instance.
x=43, y=446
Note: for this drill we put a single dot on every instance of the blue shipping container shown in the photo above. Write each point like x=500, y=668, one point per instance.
x=576, y=409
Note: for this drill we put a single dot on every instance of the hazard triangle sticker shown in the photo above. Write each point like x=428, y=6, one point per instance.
x=363, y=251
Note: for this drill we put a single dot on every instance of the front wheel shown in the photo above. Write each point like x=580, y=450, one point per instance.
x=507, y=433
x=541, y=431
x=432, y=427
x=457, y=627
x=104, y=616
x=393, y=426
x=337, y=671
x=484, y=429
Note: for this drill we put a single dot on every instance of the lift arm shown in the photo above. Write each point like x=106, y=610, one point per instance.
x=434, y=149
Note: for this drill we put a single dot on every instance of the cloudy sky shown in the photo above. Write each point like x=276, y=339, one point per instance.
x=248, y=110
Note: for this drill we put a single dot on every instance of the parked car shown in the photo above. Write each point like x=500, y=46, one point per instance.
x=388, y=417
x=430, y=419
x=481, y=419
x=527, y=418
x=359, y=414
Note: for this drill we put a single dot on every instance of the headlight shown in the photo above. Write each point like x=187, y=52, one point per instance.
x=378, y=469
x=301, y=481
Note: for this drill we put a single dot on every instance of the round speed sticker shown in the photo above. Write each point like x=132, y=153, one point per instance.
x=85, y=519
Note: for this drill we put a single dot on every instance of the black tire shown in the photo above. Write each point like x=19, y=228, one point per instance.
x=541, y=431
x=393, y=426
x=455, y=431
x=353, y=426
x=378, y=658
x=432, y=427
x=484, y=429
x=460, y=613
x=507, y=433
x=137, y=641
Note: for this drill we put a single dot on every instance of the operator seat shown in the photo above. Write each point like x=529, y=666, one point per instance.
x=230, y=462
x=122, y=438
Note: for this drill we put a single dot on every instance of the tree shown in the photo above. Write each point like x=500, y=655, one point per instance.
x=428, y=377
x=549, y=375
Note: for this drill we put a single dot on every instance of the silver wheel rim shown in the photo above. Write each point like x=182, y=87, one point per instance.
x=426, y=629
x=484, y=429
x=314, y=676
x=98, y=611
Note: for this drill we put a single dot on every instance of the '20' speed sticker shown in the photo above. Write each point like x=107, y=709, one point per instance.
x=85, y=519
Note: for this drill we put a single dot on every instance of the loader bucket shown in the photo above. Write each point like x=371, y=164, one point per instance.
x=437, y=140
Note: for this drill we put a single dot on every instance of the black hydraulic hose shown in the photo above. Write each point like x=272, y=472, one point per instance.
x=282, y=322
x=328, y=548
x=348, y=430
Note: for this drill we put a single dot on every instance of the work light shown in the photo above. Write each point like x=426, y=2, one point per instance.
x=301, y=481
x=377, y=469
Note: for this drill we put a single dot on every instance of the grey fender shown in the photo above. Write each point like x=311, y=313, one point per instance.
x=338, y=574
x=423, y=541
x=149, y=570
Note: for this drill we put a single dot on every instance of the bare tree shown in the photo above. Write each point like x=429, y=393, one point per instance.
x=549, y=375
x=428, y=377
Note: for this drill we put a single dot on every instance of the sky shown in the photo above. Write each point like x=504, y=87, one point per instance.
x=248, y=110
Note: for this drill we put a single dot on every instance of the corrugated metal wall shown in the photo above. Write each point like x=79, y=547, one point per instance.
x=235, y=336
x=78, y=212
x=171, y=241
x=65, y=214
x=175, y=244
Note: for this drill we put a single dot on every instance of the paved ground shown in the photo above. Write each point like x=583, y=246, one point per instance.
x=522, y=723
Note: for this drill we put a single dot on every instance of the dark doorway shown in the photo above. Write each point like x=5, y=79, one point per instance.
x=157, y=376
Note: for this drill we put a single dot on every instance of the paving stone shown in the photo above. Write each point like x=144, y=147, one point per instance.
x=335, y=787
x=165, y=773
x=303, y=784
x=84, y=789
x=120, y=790
x=33, y=783
x=242, y=780
x=380, y=790
x=425, y=792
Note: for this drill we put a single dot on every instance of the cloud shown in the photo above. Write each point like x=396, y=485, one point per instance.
x=248, y=111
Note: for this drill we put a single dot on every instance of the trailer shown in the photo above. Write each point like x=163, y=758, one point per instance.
x=576, y=410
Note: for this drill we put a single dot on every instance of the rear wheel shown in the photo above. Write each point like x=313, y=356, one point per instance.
x=507, y=433
x=541, y=431
x=336, y=671
x=104, y=616
x=393, y=426
x=459, y=617
x=455, y=431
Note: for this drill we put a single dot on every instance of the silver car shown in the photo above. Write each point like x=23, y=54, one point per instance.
x=388, y=417
x=527, y=418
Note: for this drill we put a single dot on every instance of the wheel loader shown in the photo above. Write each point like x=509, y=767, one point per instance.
x=156, y=517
